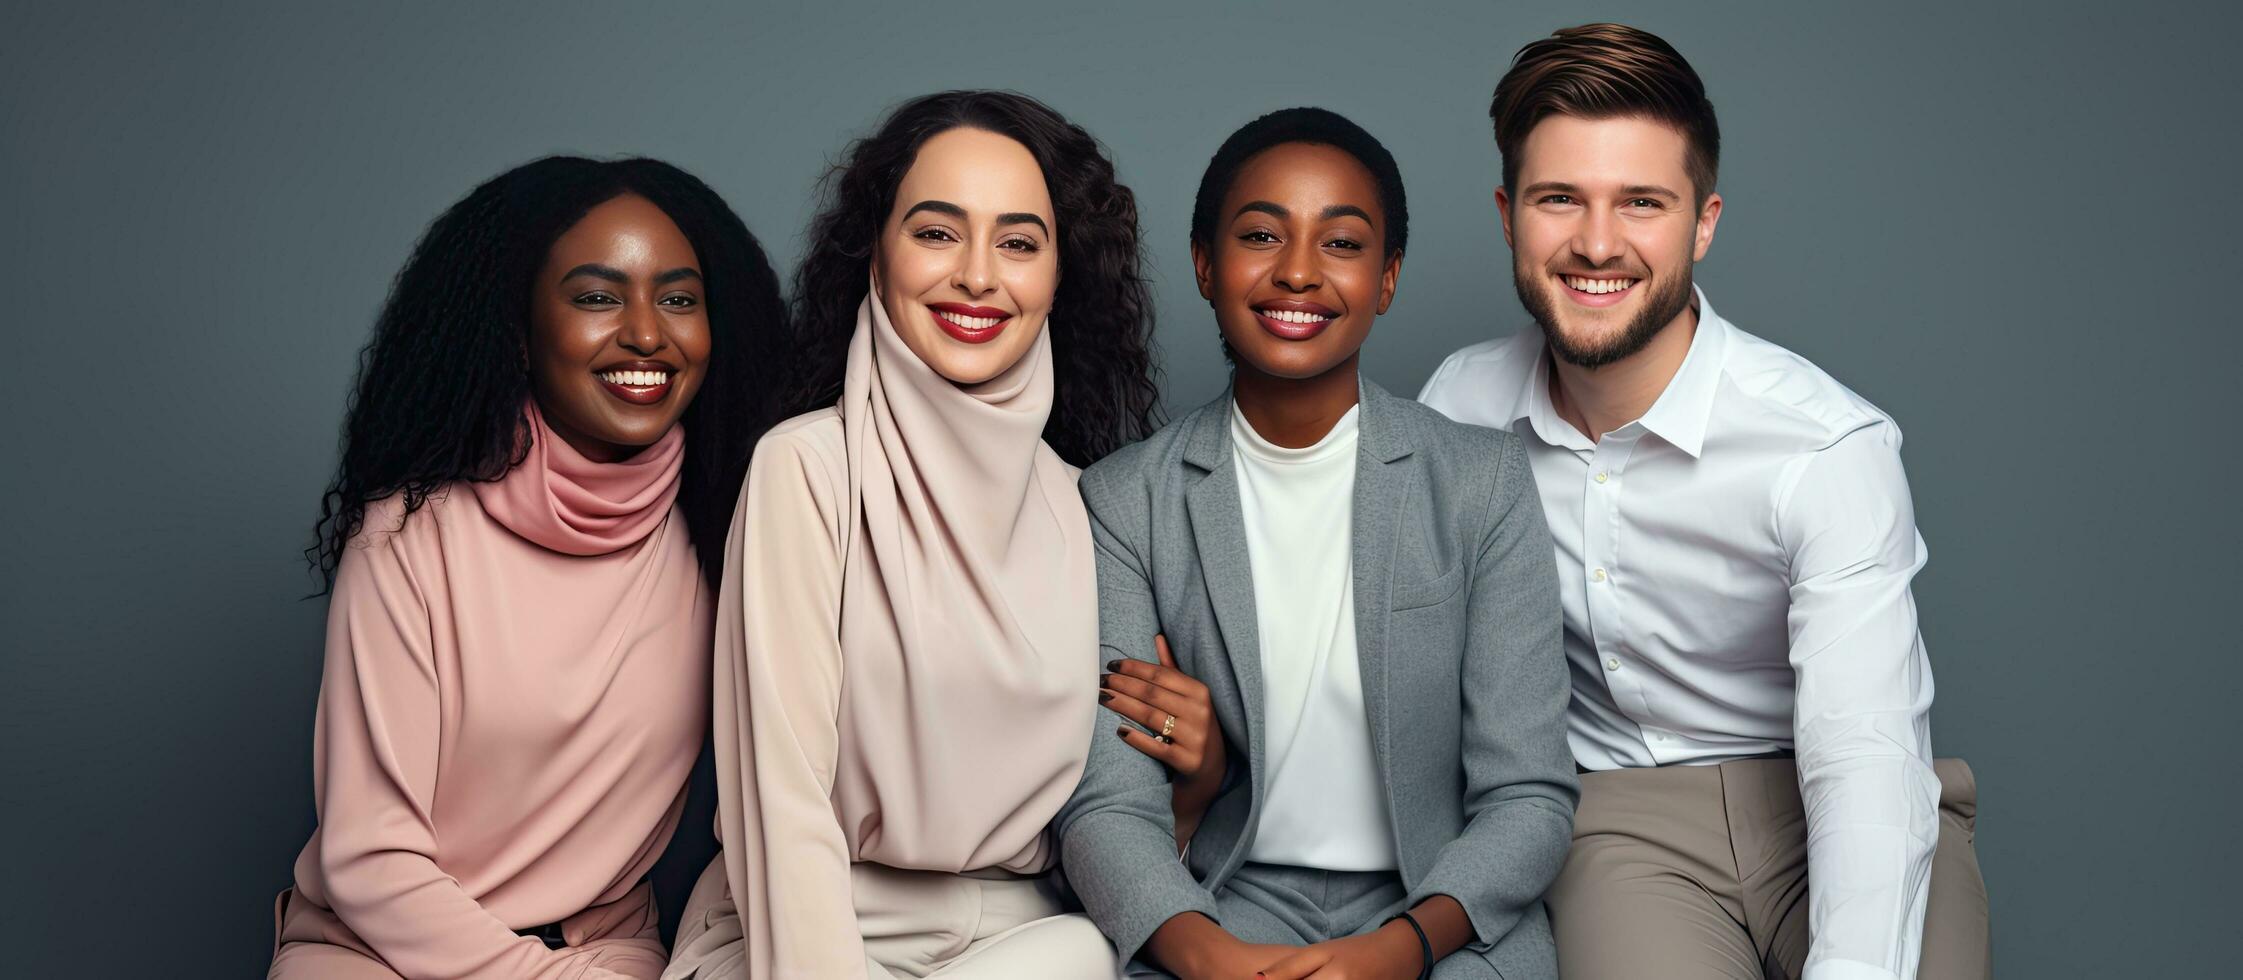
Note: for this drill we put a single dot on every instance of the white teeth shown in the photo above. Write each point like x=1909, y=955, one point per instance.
x=636, y=379
x=1294, y=316
x=972, y=322
x=1588, y=285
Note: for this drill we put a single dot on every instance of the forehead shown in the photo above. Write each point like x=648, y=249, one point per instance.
x=1618, y=151
x=1305, y=177
x=977, y=170
x=625, y=229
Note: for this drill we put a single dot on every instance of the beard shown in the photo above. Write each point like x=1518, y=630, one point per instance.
x=1670, y=295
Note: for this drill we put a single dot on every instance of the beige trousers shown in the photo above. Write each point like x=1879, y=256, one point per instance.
x=1700, y=873
x=976, y=926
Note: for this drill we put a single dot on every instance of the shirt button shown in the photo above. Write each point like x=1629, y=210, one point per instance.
x=1612, y=663
x=1597, y=575
x=1600, y=478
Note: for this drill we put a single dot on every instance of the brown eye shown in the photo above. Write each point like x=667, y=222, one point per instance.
x=597, y=299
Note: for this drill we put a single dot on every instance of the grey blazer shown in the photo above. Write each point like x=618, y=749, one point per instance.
x=1457, y=632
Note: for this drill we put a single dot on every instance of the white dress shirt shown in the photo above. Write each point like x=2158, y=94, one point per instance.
x=1734, y=569
x=1323, y=805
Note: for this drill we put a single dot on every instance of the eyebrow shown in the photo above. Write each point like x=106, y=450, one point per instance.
x=597, y=271
x=1561, y=187
x=1007, y=218
x=1279, y=211
x=678, y=274
x=938, y=207
x=1023, y=218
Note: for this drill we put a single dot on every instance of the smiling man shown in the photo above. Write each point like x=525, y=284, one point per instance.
x=1735, y=542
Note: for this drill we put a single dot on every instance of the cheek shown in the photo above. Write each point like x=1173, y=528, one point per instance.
x=1034, y=286
x=908, y=272
x=563, y=338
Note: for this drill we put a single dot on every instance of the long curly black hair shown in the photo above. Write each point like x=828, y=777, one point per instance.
x=1104, y=393
x=441, y=385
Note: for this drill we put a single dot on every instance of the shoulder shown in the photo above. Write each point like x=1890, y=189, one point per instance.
x=1140, y=464
x=1791, y=403
x=1453, y=450
x=1478, y=382
x=805, y=451
x=387, y=523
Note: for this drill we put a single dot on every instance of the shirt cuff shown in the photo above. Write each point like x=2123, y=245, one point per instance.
x=1847, y=970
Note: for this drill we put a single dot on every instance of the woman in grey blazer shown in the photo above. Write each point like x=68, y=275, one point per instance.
x=1366, y=590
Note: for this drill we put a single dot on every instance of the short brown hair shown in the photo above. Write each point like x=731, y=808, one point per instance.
x=1602, y=71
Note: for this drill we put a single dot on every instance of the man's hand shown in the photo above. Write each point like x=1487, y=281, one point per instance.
x=1389, y=953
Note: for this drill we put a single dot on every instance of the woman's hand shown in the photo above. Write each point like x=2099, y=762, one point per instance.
x=1166, y=700
x=1390, y=953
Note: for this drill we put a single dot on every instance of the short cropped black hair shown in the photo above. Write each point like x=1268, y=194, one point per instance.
x=1302, y=125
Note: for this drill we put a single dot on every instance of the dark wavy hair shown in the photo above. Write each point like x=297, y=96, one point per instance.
x=440, y=387
x=1104, y=395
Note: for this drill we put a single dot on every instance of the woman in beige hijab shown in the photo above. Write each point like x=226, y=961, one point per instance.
x=907, y=652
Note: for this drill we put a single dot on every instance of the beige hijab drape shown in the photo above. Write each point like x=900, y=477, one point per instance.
x=906, y=653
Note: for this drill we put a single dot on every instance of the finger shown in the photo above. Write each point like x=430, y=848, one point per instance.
x=1160, y=751
x=1185, y=739
x=1134, y=710
x=1184, y=696
x=1166, y=673
x=1160, y=646
x=1297, y=965
x=1148, y=692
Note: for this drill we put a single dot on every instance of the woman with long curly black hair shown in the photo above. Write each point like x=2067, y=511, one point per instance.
x=907, y=641
x=549, y=425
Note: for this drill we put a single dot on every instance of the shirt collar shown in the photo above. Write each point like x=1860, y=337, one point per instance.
x=1680, y=415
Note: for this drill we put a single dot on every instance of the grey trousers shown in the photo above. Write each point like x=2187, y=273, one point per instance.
x=1700, y=873
x=1270, y=903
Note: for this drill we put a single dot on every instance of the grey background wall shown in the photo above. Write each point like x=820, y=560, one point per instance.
x=2011, y=227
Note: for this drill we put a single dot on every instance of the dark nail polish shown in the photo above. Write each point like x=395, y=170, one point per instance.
x=1113, y=665
x=1122, y=733
x=1105, y=696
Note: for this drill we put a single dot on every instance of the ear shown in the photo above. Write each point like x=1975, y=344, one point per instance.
x=1387, y=278
x=1503, y=209
x=1203, y=270
x=1708, y=217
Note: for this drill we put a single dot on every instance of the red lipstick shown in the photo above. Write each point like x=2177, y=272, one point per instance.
x=637, y=382
x=970, y=324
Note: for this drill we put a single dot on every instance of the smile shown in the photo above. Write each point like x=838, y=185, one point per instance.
x=1294, y=321
x=1599, y=290
x=971, y=324
x=637, y=384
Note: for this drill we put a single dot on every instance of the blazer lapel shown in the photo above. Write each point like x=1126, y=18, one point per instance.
x=1385, y=478
x=1219, y=531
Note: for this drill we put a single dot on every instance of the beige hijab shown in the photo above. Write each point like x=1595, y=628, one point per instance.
x=969, y=621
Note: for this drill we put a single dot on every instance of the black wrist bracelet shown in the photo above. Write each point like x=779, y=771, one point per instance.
x=1424, y=945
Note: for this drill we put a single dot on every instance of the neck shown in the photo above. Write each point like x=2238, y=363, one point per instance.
x=1295, y=412
x=1597, y=400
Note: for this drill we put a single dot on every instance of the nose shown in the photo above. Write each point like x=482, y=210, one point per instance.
x=642, y=329
x=1297, y=269
x=976, y=273
x=1597, y=238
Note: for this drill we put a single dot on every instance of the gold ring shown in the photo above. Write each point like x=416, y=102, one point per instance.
x=1167, y=728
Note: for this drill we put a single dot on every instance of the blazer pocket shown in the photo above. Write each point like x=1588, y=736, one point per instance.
x=1420, y=594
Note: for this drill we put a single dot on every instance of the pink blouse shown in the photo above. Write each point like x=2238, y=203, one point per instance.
x=516, y=688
